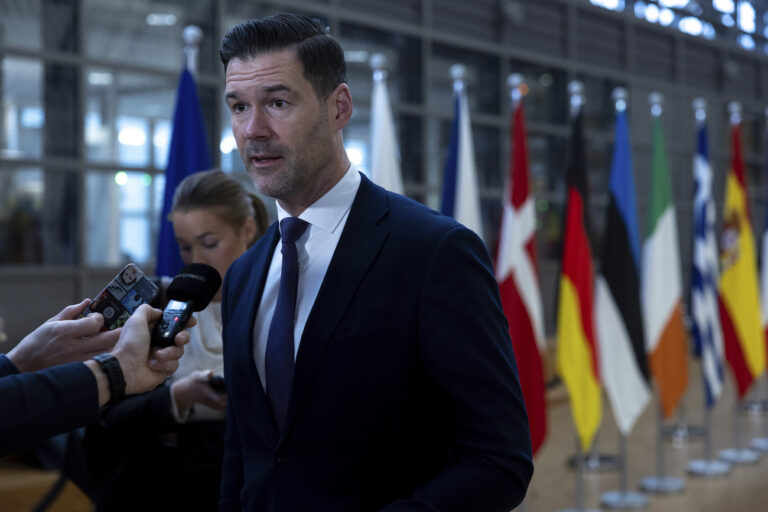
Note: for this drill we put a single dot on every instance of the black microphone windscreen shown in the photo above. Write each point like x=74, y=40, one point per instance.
x=197, y=283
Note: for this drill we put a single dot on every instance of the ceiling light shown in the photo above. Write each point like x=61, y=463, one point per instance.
x=156, y=19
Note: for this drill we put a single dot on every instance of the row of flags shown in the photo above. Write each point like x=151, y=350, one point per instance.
x=618, y=328
x=622, y=328
x=639, y=334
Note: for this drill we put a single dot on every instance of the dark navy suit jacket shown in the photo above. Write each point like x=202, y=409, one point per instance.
x=405, y=392
x=37, y=405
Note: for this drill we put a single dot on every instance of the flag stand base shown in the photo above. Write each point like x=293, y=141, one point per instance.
x=754, y=408
x=760, y=444
x=682, y=431
x=740, y=456
x=662, y=484
x=623, y=500
x=594, y=462
x=708, y=467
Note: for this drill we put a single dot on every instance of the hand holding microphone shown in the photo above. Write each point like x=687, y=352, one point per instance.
x=191, y=290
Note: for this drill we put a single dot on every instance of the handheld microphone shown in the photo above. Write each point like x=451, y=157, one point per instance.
x=191, y=290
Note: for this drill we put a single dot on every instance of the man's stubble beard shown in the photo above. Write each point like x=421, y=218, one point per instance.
x=299, y=164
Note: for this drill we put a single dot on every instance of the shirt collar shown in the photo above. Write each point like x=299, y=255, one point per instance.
x=327, y=212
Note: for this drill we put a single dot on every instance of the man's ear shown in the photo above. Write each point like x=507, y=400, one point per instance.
x=340, y=102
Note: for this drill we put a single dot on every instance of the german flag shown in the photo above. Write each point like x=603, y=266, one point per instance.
x=577, y=358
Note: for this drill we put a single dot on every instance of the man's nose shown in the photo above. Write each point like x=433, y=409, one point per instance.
x=257, y=126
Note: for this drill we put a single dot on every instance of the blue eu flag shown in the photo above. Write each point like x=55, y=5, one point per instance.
x=188, y=154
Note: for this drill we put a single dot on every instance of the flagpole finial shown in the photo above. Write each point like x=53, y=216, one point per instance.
x=192, y=35
x=656, y=100
x=378, y=63
x=620, y=97
x=576, y=93
x=700, y=109
x=734, y=109
x=516, y=84
x=458, y=73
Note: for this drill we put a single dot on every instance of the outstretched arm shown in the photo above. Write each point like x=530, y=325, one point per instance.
x=63, y=338
x=37, y=405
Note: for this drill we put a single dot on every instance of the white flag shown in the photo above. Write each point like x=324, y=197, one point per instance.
x=385, y=157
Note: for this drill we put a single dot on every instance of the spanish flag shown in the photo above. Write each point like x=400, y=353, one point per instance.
x=577, y=358
x=739, y=302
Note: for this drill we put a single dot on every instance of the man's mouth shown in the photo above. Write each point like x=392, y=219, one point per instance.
x=264, y=158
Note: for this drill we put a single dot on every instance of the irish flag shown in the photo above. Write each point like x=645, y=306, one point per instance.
x=665, y=335
x=739, y=303
x=577, y=358
x=517, y=275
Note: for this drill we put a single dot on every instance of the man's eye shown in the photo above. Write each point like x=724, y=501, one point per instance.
x=238, y=107
x=279, y=103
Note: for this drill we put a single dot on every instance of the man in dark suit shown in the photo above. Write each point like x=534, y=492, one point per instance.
x=367, y=360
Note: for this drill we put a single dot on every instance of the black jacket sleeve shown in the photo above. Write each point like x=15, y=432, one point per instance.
x=38, y=405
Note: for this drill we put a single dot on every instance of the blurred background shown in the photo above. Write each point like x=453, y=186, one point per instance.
x=88, y=87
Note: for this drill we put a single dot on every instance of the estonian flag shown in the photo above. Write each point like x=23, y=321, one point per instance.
x=618, y=316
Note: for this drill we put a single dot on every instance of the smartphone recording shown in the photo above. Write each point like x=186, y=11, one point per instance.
x=129, y=289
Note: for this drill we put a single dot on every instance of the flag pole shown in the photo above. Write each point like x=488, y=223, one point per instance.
x=737, y=454
x=593, y=460
x=188, y=152
x=516, y=270
x=660, y=483
x=384, y=169
x=460, y=198
x=682, y=431
x=579, y=486
x=761, y=443
x=192, y=36
x=707, y=466
x=514, y=82
x=622, y=498
x=578, y=461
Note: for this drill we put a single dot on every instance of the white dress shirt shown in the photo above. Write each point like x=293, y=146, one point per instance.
x=326, y=217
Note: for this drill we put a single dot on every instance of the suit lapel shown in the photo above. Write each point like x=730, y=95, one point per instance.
x=358, y=246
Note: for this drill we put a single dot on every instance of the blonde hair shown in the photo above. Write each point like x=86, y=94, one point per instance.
x=228, y=198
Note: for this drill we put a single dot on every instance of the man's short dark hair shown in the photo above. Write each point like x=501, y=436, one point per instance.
x=319, y=53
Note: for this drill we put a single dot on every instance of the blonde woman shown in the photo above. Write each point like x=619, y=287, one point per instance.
x=172, y=438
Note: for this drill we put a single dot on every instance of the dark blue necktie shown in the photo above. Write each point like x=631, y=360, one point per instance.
x=279, y=357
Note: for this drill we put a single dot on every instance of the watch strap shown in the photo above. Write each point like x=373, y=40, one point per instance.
x=111, y=368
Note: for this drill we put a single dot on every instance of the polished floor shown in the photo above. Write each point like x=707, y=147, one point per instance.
x=554, y=484
x=744, y=489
